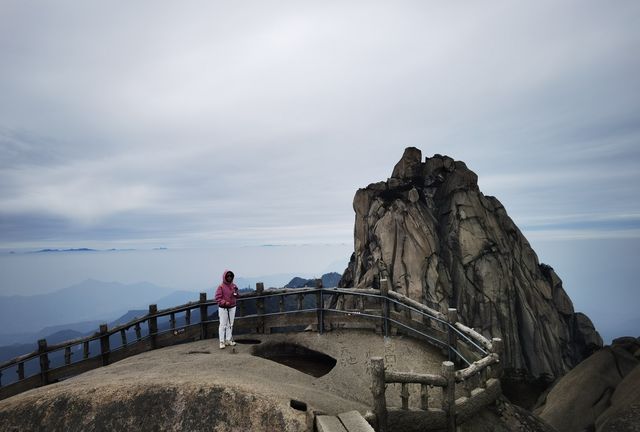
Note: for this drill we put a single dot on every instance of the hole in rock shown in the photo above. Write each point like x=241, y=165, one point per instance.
x=248, y=341
x=199, y=352
x=298, y=405
x=305, y=360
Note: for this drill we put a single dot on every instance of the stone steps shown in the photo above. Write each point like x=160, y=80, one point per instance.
x=351, y=421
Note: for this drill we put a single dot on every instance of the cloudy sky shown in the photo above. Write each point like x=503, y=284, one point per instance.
x=213, y=123
x=182, y=123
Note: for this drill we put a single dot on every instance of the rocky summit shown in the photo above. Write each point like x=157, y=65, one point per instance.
x=438, y=240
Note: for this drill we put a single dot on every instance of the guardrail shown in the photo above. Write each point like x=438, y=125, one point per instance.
x=264, y=311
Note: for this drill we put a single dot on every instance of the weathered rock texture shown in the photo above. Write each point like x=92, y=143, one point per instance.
x=601, y=394
x=440, y=241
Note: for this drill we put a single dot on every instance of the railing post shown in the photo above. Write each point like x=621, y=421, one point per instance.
x=452, y=317
x=44, y=361
x=404, y=395
x=300, y=298
x=260, y=307
x=378, y=392
x=384, y=292
x=449, y=399
x=153, y=325
x=320, y=306
x=424, y=397
x=67, y=355
x=104, y=344
x=497, y=347
x=21, y=371
x=203, y=315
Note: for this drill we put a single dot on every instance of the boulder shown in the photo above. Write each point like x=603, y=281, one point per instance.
x=601, y=394
x=440, y=241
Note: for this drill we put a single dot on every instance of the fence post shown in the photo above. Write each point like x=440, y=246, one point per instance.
x=260, y=307
x=497, y=348
x=449, y=399
x=203, y=316
x=44, y=361
x=452, y=317
x=378, y=392
x=384, y=291
x=320, y=306
x=104, y=344
x=153, y=325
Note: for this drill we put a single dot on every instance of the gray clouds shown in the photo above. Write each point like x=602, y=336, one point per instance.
x=212, y=122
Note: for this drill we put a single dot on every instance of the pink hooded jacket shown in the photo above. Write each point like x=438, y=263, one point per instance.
x=227, y=292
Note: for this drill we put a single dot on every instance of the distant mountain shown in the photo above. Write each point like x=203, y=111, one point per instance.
x=178, y=298
x=90, y=300
x=329, y=280
x=65, y=250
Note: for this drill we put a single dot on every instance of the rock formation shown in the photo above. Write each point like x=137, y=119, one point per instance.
x=601, y=394
x=430, y=231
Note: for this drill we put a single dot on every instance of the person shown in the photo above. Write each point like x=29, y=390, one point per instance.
x=226, y=297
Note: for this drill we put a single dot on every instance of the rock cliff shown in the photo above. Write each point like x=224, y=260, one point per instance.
x=430, y=231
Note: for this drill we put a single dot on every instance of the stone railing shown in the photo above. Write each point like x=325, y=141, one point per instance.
x=263, y=311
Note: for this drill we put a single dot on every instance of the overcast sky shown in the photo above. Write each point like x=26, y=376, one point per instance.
x=198, y=123
x=206, y=124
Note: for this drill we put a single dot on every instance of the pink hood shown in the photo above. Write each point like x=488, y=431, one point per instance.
x=226, y=294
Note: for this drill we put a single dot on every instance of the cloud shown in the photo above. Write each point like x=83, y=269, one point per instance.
x=218, y=121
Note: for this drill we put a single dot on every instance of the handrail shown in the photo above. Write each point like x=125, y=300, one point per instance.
x=435, y=333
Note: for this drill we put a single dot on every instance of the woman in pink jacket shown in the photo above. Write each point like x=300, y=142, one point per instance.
x=226, y=296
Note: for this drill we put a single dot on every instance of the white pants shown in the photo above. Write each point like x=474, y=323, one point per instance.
x=226, y=323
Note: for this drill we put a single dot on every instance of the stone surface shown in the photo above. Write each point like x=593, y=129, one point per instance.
x=624, y=412
x=325, y=423
x=506, y=417
x=198, y=387
x=354, y=422
x=440, y=241
x=600, y=391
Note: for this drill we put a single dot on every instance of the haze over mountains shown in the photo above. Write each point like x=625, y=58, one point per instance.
x=81, y=308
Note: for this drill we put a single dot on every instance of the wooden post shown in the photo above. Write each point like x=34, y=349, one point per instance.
x=153, y=325
x=497, y=347
x=449, y=399
x=172, y=320
x=104, y=344
x=187, y=317
x=123, y=337
x=204, y=316
x=67, y=355
x=300, y=301
x=44, y=361
x=424, y=397
x=378, y=392
x=21, y=370
x=452, y=317
x=85, y=350
x=404, y=395
x=138, y=332
x=281, y=303
x=260, y=307
x=384, y=291
x=320, y=306
x=241, y=308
